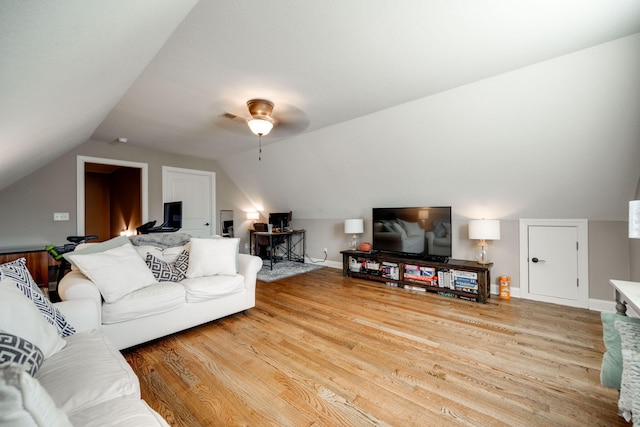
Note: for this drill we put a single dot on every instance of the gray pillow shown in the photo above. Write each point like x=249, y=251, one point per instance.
x=18, y=350
x=438, y=229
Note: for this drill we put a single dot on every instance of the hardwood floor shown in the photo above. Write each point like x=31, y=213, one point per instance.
x=323, y=350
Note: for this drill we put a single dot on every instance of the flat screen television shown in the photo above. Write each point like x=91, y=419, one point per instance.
x=420, y=232
x=173, y=215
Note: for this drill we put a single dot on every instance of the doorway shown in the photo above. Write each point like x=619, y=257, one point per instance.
x=554, y=261
x=123, y=204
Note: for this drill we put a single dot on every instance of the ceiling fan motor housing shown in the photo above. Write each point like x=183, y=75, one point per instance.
x=260, y=108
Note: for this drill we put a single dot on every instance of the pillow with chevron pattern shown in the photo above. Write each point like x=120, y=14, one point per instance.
x=18, y=350
x=165, y=271
x=15, y=273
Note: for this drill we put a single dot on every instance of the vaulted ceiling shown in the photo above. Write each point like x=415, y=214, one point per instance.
x=163, y=73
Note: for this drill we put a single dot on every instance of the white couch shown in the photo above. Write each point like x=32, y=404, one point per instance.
x=60, y=381
x=164, y=308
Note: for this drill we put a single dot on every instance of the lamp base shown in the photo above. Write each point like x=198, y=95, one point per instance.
x=482, y=254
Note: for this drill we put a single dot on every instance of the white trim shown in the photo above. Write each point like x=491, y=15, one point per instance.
x=212, y=176
x=80, y=166
x=583, y=259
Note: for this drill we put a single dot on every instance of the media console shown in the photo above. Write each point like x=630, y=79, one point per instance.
x=458, y=278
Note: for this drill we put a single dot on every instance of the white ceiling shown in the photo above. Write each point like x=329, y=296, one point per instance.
x=160, y=73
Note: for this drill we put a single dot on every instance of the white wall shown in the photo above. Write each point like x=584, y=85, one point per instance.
x=557, y=139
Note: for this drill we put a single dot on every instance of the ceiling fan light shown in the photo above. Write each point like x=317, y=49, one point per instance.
x=260, y=127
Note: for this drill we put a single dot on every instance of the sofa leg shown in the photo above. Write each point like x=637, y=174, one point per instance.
x=245, y=312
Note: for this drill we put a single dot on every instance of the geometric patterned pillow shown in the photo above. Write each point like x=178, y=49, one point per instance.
x=16, y=273
x=19, y=350
x=168, y=272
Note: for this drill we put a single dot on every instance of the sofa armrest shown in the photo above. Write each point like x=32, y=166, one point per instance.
x=83, y=314
x=75, y=285
x=248, y=266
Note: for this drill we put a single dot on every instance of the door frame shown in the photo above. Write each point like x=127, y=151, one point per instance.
x=582, y=226
x=80, y=183
x=212, y=177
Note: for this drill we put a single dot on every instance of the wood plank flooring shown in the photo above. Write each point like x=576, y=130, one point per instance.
x=323, y=350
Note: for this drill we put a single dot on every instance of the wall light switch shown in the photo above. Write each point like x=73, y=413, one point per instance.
x=61, y=216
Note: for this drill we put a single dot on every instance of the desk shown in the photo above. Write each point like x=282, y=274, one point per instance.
x=295, y=244
x=626, y=293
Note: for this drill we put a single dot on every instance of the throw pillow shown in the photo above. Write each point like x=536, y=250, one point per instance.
x=94, y=248
x=25, y=402
x=611, y=369
x=629, y=402
x=115, y=272
x=208, y=257
x=165, y=271
x=16, y=274
x=20, y=351
x=20, y=317
x=438, y=229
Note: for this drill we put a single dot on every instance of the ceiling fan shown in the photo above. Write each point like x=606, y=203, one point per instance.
x=265, y=118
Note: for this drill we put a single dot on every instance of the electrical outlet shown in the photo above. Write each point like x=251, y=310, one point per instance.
x=61, y=216
x=325, y=251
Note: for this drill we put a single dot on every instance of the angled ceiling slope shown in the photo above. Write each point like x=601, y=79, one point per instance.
x=65, y=65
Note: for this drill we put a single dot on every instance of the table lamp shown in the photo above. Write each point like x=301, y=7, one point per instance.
x=483, y=230
x=354, y=226
x=634, y=219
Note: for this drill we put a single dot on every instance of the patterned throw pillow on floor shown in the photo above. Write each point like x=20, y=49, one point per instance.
x=15, y=273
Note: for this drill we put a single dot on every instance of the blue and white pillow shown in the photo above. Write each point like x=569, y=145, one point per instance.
x=18, y=350
x=16, y=273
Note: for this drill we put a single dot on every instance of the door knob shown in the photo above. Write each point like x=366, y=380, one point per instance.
x=534, y=259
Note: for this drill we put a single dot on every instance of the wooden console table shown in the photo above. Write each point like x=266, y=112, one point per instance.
x=626, y=293
x=38, y=262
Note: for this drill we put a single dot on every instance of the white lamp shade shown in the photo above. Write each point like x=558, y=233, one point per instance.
x=484, y=229
x=423, y=214
x=353, y=226
x=253, y=215
x=634, y=219
x=260, y=126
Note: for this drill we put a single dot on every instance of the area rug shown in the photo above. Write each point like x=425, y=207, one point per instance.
x=284, y=269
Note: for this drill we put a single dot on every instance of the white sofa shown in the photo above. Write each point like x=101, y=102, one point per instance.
x=166, y=307
x=54, y=380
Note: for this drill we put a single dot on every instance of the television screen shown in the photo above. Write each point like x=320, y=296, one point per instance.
x=173, y=214
x=422, y=232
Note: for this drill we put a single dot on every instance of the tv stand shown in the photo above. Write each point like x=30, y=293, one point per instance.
x=451, y=277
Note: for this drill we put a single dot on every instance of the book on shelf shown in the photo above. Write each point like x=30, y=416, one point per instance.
x=417, y=273
x=390, y=270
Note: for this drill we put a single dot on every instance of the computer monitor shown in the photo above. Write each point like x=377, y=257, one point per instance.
x=280, y=220
x=173, y=214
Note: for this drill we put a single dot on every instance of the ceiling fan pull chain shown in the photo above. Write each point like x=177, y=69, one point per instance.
x=260, y=150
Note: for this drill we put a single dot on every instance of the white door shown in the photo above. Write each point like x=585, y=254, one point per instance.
x=552, y=267
x=196, y=190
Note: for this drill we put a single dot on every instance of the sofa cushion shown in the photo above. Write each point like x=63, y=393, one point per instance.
x=116, y=272
x=206, y=288
x=89, y=371
x=20, y=317
x=208, y=257
x=412, y=228
x=168, y=271
x=18, y=350
x=159, y=298
x=24, y=403
x=16, y=274
x=122, y=411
